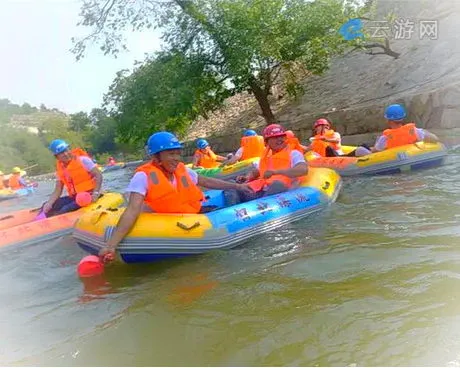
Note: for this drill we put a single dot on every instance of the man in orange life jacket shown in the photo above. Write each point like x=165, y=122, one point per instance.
x=77, y=173
x=252, y=145
x=399, y=134
x=164, y=185
x=204, y=157
x=277, y=171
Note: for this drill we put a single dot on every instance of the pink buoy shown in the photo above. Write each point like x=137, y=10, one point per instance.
x=90, y=266
x=83, y=199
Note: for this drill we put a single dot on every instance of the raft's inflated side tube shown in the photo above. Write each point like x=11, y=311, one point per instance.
x=395, y=160
x=228, y=172
x=117, y=166
x=10, y=194
x=19, y=228
x=157, y=236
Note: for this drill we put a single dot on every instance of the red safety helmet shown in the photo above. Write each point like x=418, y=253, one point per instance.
x=321, y=122
x=273, y=130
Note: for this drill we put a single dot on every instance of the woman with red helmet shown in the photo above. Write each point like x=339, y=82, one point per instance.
x=325, y=141
x=278, y=168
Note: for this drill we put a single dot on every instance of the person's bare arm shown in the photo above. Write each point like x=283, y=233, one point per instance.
x=213, y=183
x=54, y=196
x=430, y=137
x=97, y=175
x=195, y=160
x=127, y=220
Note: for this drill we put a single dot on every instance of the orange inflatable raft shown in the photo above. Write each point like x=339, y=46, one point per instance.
x=20, y=228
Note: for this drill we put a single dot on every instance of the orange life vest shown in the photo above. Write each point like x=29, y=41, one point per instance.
x=319, y=146
x=163, y=197
x=207, y=159
x=2, y=186
x=401, y=136
x=14, y=183
x=269, y=161
x=74, y=176
x=253, y=146
x=336, y=146
x=294, y=144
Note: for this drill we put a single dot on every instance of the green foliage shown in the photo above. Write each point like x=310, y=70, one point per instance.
x=8, y=109
x=19, y=148
x=103, y=134
x=242, y=44
x=95, y=132
x=79, y=122
x=164, y=93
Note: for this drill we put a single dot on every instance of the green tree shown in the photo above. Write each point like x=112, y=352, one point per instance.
x=247, y=43
x=166, y=92
x=79, y=121
x=19, y=148
x=102, y=136
x=58, y=127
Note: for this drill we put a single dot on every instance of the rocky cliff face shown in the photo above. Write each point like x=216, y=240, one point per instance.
x=354, y=92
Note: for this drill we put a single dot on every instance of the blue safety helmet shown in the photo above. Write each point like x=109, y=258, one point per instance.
x=395, y=112
x=202, y=143
x=162, y=141
x=249, y=133
x=58, y=146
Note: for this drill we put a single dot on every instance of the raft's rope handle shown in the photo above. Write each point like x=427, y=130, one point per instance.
x=6, y=217
x=326, y=185
x=188, y=228
x=363, y=159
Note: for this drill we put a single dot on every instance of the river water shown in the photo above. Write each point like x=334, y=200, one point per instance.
x=373, y=280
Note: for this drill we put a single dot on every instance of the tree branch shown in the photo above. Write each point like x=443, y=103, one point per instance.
x=385, y=47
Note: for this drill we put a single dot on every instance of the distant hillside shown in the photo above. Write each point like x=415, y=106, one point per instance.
x=23, y=140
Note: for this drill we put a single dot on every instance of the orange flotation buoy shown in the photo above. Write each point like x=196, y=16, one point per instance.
x=83, y=199
x=90, y=266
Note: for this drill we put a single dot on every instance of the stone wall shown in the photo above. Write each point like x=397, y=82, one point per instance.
x=438, y=109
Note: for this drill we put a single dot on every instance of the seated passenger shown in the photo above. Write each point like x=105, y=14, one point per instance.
x=16, y=181
x=278, y=169
x=111, y=161
x=165, y=185
x=252, y=145
x=399, y=134
x=204, y=157
x=77, y=173
x=326, y=142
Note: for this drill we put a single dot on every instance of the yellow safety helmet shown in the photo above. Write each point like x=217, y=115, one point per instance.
x=1, y=172
x=16, y=170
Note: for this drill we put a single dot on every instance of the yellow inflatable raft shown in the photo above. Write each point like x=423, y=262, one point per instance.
x=158, y=236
